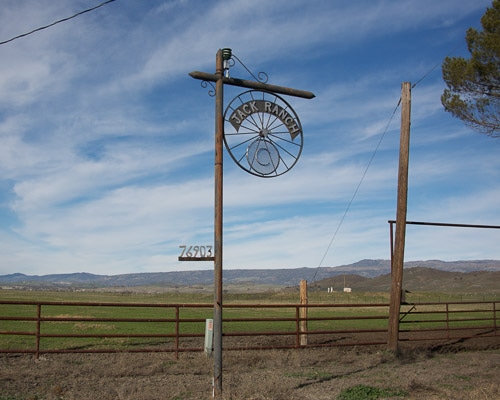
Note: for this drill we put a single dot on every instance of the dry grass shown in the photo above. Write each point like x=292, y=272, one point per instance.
x=445, y=372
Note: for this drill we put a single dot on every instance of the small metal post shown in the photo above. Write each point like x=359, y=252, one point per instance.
x=297, y=327
x=209, y=336
x=177, y=332
x=38, y=329
x=447, y=322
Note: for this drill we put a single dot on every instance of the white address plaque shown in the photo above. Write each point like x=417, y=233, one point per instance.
x=196, y=253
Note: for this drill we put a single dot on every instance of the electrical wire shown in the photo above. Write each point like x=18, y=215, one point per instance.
x=369, y=164
x=364, y=173
x=56, y=22
x=357, y=189
x=434, y=67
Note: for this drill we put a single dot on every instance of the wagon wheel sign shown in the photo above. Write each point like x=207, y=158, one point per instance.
x=262, y=133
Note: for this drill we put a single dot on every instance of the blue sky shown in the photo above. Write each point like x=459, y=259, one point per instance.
x=107, y=145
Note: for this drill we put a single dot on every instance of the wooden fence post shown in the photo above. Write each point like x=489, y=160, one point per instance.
x=303, y=313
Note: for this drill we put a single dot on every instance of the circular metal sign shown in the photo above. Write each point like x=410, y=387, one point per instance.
x=262, y=133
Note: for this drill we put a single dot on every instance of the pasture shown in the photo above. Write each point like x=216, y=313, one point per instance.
x=439, y=369
x=93, y=321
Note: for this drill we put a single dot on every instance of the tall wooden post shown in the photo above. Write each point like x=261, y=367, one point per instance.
x=303, y=313
x=220, y=80
x=399, y=248
x=219, y=140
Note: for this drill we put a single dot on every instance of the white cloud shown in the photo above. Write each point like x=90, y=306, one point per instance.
x=107, y=143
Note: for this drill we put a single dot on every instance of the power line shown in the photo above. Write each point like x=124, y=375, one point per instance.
x=356, y=191
x=423, y=77
x=57, y=22
x=434, y=67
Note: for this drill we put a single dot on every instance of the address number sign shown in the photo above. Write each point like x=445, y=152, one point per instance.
x=196, y=253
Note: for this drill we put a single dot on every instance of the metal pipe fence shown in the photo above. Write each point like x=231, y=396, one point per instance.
x=39, y=327
x=449, y=321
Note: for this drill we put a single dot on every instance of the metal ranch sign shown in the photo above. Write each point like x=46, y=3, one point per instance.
x=264, y=107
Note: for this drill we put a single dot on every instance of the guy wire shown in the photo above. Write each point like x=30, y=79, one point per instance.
x=357, y=189
x=370, y=162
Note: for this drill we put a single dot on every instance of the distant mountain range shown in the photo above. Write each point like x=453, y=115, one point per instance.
x=375, y=274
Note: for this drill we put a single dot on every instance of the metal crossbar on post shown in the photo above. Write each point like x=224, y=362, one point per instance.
x=397, y=275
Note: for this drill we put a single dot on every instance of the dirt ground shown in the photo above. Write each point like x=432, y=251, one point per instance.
x=467, y=369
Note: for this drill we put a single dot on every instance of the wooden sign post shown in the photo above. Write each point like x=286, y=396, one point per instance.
x=220, y=80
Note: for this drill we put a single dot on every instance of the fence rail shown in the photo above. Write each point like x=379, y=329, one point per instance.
x=89, y=327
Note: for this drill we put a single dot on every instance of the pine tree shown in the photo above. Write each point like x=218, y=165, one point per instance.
x=473, y=85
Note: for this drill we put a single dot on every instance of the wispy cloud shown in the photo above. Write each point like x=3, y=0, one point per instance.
x=106, y=156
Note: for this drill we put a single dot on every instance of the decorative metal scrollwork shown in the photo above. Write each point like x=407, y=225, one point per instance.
x=205, y=84
x=261, y=76
x=229, y=62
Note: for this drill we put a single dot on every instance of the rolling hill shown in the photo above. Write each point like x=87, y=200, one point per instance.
x=364, y=275
x=418, y=279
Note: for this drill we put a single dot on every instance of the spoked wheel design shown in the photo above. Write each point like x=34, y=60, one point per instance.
x=262, y=133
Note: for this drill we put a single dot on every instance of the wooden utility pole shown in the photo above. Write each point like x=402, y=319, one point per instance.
x=399, y=248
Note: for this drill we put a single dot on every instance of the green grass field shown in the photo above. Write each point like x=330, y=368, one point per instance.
x=338, y=312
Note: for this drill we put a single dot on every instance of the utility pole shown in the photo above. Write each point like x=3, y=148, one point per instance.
x=397, y=259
